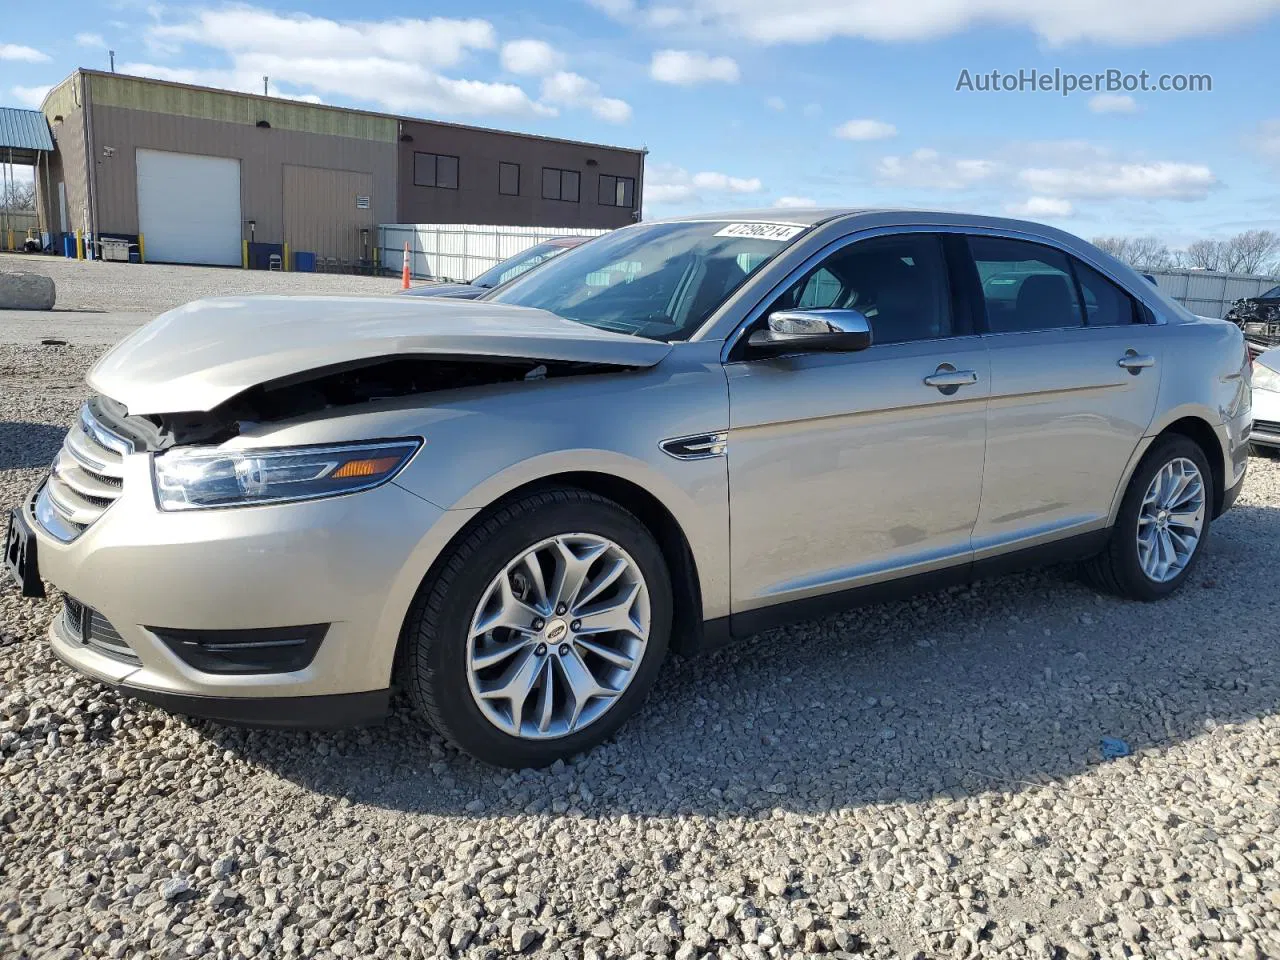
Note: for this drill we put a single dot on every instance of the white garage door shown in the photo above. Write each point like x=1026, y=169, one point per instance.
x=189, y=207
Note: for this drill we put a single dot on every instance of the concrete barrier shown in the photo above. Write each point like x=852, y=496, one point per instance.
x=26, y=291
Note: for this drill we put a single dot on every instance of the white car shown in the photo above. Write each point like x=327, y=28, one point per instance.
x=1266, y=400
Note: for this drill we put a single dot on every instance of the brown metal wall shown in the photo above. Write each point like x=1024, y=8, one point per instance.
x=321, y=215
x=477, y=199
x=263, y=156
x=67, y=164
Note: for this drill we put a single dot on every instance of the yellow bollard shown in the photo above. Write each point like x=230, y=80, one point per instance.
x=142, y=249
x=285, y=259
x=244, y=254
x=79, y=245
x=11, y=246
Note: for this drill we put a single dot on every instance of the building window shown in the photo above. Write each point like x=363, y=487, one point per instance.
x=560, y=184
x=617, y=191
x=435, y=170
x=509, y=179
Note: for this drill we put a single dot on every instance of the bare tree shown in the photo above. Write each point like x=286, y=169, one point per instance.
x=1147, y=254
x=1254, y=251
x=18, y=196
x=1205, y=255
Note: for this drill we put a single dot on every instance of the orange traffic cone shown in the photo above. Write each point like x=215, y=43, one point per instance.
x=404, y=272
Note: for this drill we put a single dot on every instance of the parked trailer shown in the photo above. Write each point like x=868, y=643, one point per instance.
x=455, y=251
x=1210, y=294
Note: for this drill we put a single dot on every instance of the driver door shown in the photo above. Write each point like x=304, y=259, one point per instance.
x=849, y=469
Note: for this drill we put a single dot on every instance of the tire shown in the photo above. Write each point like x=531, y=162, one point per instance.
x=1119, y=568
x=442, y=678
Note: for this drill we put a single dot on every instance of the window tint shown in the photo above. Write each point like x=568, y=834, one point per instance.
x=616, y=191
x=1026, y=286
x=899, y=284
x=435, y=170
x=560, y=184
x=509, y=179
x=1105, y=304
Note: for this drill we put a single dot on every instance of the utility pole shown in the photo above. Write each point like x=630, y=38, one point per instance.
x=112, y=55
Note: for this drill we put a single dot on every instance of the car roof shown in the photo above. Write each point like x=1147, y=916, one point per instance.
x=905, y=216
x=566, y=241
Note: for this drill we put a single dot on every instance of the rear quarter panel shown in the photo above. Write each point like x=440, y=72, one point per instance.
x=1205, y=375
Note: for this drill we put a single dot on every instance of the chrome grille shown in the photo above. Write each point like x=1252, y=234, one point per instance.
x=86, y=478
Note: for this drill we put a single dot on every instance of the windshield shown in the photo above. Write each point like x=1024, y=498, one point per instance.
x=659, y=281
x=511, y=268
x=1272, y=294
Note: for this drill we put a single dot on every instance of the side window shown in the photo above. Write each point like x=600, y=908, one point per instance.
x=1026, y=286
x=1105, y=304
x=899, y=283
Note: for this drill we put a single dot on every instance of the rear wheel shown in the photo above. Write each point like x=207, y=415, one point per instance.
x=1162, y=525
x=543, y=630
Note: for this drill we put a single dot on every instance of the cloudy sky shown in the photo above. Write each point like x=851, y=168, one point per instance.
x=767, y=103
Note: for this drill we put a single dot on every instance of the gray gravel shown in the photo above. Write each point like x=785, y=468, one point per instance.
x=96, y=285
x=916, y=779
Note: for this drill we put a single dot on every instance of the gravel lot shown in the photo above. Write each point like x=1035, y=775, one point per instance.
x=98, y=286
x=915, y=779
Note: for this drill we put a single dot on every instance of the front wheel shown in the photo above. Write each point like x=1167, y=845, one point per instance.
x=543, y=630
x=1162, y=525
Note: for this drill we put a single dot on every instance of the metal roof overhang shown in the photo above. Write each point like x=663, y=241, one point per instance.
x=24, y=135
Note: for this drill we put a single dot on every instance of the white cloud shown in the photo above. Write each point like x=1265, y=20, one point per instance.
x=533, y=57
x=1041, y=207
x=395, y=63
x=665, y=184
x=927, y=169
x=574, y=90
x=865, y=130
x=688, y=67
x=1113, y=103
x=1145, y=180
x=1054, y=21
x=14, y=51
x=30, y=96
x=90, y=40
x=776, y=103
x=791, y=203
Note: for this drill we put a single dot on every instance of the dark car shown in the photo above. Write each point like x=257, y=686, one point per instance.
x=1259, y=318
x=499, y=274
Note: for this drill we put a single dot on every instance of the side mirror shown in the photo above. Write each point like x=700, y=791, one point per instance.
x=812, y=331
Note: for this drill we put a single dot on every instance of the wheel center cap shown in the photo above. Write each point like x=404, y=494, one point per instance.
x=556, y=630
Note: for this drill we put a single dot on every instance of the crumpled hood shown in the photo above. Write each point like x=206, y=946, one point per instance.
x=200, y=355
x=461, y=291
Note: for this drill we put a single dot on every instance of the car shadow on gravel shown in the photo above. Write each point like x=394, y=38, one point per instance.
x=1009, y=684
x=25, y=446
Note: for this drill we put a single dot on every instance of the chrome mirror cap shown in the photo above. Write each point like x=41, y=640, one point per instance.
x=802, y=331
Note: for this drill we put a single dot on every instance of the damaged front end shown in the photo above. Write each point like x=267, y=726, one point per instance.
x=317, y=391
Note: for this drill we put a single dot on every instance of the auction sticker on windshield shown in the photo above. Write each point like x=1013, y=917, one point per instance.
x=761, y=231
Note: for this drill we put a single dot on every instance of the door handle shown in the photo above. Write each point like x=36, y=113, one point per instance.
x=1134, y=362
x=948, y=377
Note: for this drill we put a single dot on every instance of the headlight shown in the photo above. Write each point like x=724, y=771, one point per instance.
x=1264, y=378
x=188, y=479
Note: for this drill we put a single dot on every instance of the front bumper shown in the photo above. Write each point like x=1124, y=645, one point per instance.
x=352, y=563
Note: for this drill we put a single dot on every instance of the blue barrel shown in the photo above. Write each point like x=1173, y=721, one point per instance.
x=69, y=245
x=304, y=262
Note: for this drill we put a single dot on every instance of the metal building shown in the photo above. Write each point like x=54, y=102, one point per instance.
x=1209, y=293
x=189, y=174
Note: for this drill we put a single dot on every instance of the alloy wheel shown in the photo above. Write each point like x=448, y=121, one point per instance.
x=558, y=636
x=1171, y=520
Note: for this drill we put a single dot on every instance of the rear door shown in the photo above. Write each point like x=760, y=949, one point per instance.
x=1075, y=373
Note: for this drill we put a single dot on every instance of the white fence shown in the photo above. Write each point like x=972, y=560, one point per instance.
x=1209, y=294
x=461, y=251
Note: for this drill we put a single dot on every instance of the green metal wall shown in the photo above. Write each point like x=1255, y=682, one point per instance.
x=113, y=90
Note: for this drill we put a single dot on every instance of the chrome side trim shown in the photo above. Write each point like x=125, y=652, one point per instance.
x=700, y=446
